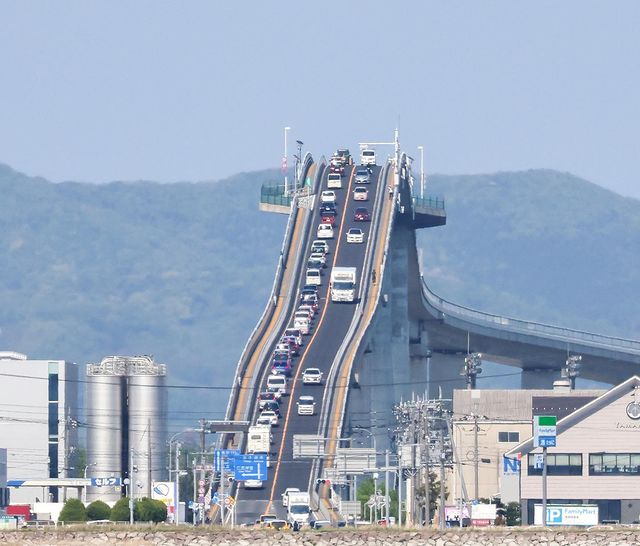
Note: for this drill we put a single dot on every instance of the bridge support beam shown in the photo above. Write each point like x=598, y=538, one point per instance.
x=538, y=378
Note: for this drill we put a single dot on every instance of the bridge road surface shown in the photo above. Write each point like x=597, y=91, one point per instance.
x=331, y=322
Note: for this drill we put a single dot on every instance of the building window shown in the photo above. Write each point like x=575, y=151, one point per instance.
x=558, y=464
x=614, y=463
x=509, y=437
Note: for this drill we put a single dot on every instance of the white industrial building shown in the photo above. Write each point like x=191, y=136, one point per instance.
x=38, y=421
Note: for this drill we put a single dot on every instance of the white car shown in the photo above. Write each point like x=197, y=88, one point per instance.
x=313, y=276
x=253, y=484
x=312, y=376
x=328, y=196
x=325, y=231
x=285, y=495
x=308, y=308
x=306, y=405
x=360, y=194
x=272, y=416
x=355, y=235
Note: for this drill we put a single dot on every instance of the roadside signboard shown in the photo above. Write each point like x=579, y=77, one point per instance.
x=250, y=466
x=106, y=482
x=227, y=455
x=568, y=514
x=544, y=431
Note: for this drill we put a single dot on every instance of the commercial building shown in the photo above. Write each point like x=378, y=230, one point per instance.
x=489, y=423
x=38, y=421
x=596, y=459
x=127, y=424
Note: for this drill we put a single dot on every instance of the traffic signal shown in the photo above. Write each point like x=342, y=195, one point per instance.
x=321, y=481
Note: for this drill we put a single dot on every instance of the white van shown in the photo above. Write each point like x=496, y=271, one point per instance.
x=277, y=383
x=334, y=180
x=368, y=157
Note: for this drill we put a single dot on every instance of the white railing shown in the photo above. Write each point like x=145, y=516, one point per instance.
x=570, y=335
x=257, y=332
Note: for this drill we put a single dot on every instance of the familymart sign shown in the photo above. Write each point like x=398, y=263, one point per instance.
x=544, y=431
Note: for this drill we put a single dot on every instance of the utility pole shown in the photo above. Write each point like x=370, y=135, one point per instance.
x=195, y=498
x=476, y=458
x=387, y=497
x=441, y=522
x=149, y=470
x=176, y=487
x=131, y=487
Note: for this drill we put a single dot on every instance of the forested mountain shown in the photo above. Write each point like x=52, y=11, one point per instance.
x=182, y=271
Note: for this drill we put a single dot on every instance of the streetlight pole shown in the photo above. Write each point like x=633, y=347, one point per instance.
x=298, y=164
x=284, y=162
x=421, y=148
x=84, y=491
x=176, y=483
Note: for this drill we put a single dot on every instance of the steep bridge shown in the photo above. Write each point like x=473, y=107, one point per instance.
x=397, y=338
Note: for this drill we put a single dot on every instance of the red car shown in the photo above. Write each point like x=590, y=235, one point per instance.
x=328, y=217
x=361, y=214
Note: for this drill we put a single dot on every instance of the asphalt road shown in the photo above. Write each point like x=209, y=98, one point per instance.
x=319, y=348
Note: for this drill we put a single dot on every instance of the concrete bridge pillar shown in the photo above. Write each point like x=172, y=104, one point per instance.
x=444, y=374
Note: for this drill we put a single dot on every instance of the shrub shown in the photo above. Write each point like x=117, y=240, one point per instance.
x=150, y=510
x=98, y=510
x=120, y=510
x=73, y=510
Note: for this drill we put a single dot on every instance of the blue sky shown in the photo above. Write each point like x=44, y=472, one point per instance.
x=170, y=91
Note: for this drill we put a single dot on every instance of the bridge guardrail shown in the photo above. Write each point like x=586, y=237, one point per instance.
x=291, y=301
x=523, y=326
x=262, y=323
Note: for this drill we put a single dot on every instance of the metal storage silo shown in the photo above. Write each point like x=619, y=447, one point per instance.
x=104, y=403
x=147, y=423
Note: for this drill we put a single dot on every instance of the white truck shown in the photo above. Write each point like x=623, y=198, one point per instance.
x=343, y=284
x=259, y=440
x=298, y=509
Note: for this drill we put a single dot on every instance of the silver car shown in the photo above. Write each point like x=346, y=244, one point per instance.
x=363, y=176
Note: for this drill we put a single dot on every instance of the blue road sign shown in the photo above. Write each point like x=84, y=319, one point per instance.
x=250, y=466
x=106, y=482
x=228, y=456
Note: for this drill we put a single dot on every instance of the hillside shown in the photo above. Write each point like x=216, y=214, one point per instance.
x=183, y=271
